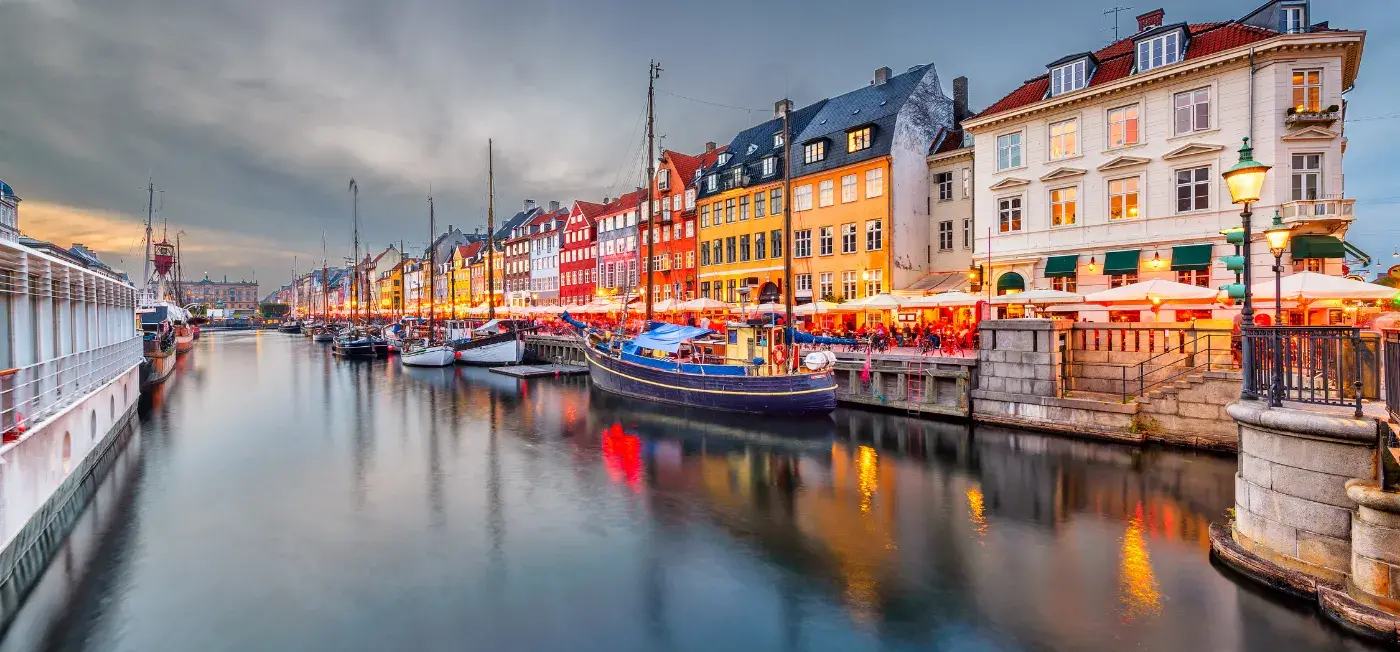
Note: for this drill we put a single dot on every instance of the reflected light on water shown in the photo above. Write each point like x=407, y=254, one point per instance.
x=867, y=467
x=976, y=510
x=1138, y=588
x=622, y=455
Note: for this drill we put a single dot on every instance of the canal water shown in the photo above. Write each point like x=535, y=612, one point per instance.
x=277, y=498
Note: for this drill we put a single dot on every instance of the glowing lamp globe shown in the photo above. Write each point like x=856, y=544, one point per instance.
x=1246, y=178
x=1278, y=234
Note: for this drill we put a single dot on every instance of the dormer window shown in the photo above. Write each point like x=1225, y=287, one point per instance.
x=858, y=139
x=711, y=183
x=1293, y=19
x=724, y=158
x=777, y=140
x=1159, y=51
x=663, y=179
x=814, y=152
x=753, y=147
x=770, y=166
x=1069, y=77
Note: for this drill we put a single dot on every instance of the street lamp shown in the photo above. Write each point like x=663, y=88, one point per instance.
x=1245, y=181
x=1277, y=236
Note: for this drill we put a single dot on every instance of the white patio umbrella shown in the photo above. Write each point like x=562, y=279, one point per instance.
x=1154, y=292
x=768, y=309
x=944, y=300
x=705, y=304
x=1311, y=286
x=1038, y=298
x=815, y=308
x=882, y=301
x=665, y=305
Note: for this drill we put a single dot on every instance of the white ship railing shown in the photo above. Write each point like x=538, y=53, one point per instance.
x=32, y=393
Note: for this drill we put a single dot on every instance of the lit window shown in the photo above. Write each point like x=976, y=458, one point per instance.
x=1123, y=199
x=1064, y=139
x=874, y=183
x=826, y=193
x=1307, y=90
x=814, y=152
x=1123, y=126
x=1199, y=278
x=858, y=140
x=1009, y=151
x=1160, y=51
x=1192, y=189
x=1063, y=206
x=1008, y=214
x=1119, y=280
x=1307, y=176
x=1191, y=111
x=1068, y=77
x=848, y=188
x=1064, y=283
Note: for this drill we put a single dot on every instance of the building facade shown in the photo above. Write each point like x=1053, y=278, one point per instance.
x=578, y=257
x=1106, y=169
x=225, y=294
x=618, y=264
x=954, y=239
x=673, y=258
x=546, y=239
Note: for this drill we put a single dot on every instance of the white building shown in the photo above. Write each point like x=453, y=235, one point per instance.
x=546, y=239
x=1105, y=169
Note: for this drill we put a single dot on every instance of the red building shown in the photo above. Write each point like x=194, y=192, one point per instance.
x=674, y=253
x=578, y=259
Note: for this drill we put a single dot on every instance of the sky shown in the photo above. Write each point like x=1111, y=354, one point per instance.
x=251, y=116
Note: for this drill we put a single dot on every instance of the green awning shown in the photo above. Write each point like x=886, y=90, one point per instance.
x=1010, y=282
x=1316, y=246
x=1121, y=262
x=1061, y=266
x=1360, y=256
x=1191, y=258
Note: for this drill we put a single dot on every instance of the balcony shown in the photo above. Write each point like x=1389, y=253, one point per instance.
x=1295, y=118
x=1328, y=213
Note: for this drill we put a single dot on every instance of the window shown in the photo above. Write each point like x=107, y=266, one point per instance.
x=1064, y=139
x=689, y=229
x=1123, y=126
x=1064, y=203
x=814, y=152
x=745, y=248
x=876, y=283
x=723, y=158
x=874, y=182
x=874, y=235
x=675, y=202
x=826, y=241
x=1008, y=151
x=1068, y=77
x=705, y=289
x=717, y=251
x=848, y=188
x=1307, y=90
x=945, y=235
x=758, y=204
x=1160, y=51
x=730, y=294
x=759, y=247
x=770, y=166
x=848, y=285
x=711, y=183
x=1308, y=265
x=1194, y=277
x=729, y=211
x=744, y=208
x=777, y=140
x=802, y=243
x=848, y=238
x=1193, y=189
x=1008, y=214
x=1307, y=176
x=1191, y=110
x=775, y=244
x=826, y=193
x=705, y=216
x=704, y=256
x=966, y=183
x=944, y=182
x=858, y=140
x=802, y=282
x=1119, y=280
x=730, y=249
x=663, y=180
x=1123, y=199
x=1292, y=20
x=1064, y=283
x=775, y=201
x=690, y=199
x=967, y=233
x=802, y=198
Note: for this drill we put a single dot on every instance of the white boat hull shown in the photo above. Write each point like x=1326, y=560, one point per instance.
x=433, y=356
x=510, y=351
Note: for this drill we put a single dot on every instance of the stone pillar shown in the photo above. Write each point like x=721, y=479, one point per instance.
x=1021, y=356
x=1375, y=545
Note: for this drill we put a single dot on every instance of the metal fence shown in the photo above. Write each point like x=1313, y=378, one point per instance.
x=32, y=393
x=1325, y=365
x=1391, y=353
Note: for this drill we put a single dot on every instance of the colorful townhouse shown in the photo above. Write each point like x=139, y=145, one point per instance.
x=546, y=238
x=617, y=245
x=740, y=205
x=460, y=275
x=1105, y=169
x=672, y=238
x=860, y=187
x=480, y=292
x=389, y=289
x=578, y=257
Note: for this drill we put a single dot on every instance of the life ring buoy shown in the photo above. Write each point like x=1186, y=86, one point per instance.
x=779, y=356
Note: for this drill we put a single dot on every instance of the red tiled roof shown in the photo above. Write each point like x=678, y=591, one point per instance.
x=470, y=249
x=626, y=202
x=588, y=209
x=1116, y=60
x=951, y=142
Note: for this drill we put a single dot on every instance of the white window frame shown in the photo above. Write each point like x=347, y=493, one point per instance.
x=1293, y=19
x=1135, y=119
x=850, y=238
x=814, y=152
x=849, y=285
x=826, y=193
x=1194, y=113
x=945, y=235
x=943, y=182
x=1159, y=51
x=1136, y=193
x=1069, y=77
x=802, y=198
x=1176, y=189
x=1063, y=201
x=967, y=233
x=874, y=183
x=967, y=183
x=1067, y=140
x=827, y=284
x=826, y=240
x=770, y=165
x=1003, y=211
x=1306, y=85
x=849, y=193
x=875, y=228
x=1298, y=191
x=800, y=238
x=1018, y=148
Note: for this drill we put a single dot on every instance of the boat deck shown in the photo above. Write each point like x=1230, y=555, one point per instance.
x=535, y=371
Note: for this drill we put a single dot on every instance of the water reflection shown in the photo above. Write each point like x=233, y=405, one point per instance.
x=457, y=508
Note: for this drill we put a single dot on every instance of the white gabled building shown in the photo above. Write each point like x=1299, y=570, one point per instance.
x=1106, y=169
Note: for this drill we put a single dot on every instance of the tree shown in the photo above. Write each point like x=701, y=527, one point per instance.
x=274, y=310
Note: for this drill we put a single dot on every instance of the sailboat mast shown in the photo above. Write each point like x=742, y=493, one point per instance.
x=325, y=285
x=490, y=232
x=652, y=73
x=150, y=214
x=787, y=218
x=432, y=268
x=355, y=251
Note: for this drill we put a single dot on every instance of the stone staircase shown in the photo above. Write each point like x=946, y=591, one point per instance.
x=1191, y=410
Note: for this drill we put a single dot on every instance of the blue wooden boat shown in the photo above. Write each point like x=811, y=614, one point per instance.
x=631, y=367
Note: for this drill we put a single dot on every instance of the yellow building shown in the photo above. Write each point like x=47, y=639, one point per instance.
x=477, y=287
x=389, y=289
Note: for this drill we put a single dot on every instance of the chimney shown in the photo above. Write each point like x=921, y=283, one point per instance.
x=960, y=111
x=782, y=107
x=449, y=228
x=606, y=199
x=709, y=146
x=554, y=207
x=882, y=74
x=529, y=205
x=1150, y=19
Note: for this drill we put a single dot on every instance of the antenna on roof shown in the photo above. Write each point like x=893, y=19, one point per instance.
x=1115, y=11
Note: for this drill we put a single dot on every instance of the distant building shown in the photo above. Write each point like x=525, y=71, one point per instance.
x=230, y=295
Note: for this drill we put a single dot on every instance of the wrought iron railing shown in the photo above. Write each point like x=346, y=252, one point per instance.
x=1325, y=365
x=32, y=393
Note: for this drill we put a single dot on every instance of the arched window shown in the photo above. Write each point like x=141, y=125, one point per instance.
x=1010, y=283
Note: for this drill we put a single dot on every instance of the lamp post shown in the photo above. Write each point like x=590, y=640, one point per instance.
x=1245, y=181
x=1277, y=236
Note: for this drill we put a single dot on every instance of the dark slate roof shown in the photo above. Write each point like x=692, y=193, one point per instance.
x=752, y=145
x=503, y=231
x=877, y=105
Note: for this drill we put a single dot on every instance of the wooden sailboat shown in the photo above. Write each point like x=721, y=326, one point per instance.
x=357, y=341
x=429, y=351
x=498, y=341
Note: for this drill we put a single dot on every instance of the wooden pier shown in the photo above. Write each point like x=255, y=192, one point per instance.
x=538, y=370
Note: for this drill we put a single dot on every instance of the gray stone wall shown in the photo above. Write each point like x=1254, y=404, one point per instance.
x=1375, y=544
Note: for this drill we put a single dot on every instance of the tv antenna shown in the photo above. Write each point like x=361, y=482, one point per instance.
x=1115, y=11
